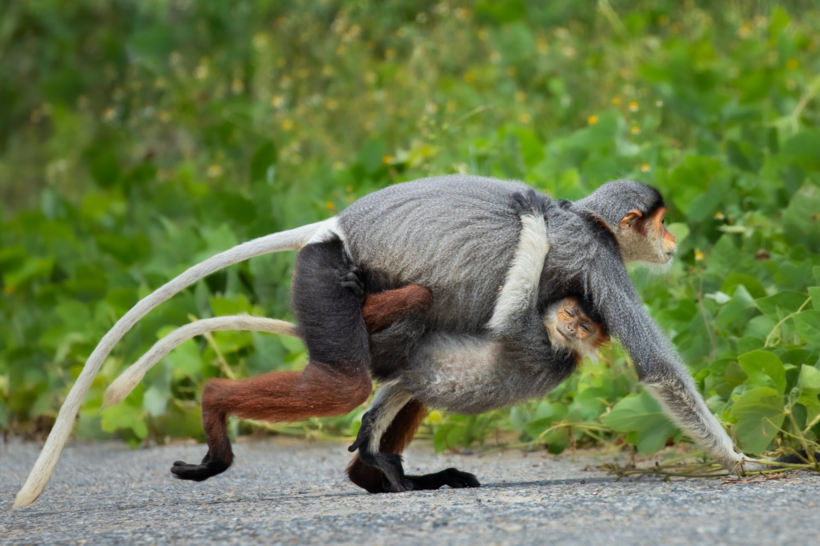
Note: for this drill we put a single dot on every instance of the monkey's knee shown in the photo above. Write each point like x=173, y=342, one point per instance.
x=337, y=389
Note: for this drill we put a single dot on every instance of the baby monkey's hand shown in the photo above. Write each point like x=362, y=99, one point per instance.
x=529, y=203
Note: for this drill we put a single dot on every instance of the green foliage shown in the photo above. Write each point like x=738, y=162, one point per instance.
x=137, y=139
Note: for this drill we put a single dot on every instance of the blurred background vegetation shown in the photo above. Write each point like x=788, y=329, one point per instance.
x=138, y=138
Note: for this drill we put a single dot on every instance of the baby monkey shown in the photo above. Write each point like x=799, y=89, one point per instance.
x=570, y=327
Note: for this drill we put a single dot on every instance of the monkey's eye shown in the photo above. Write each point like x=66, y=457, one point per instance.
x=570, y=313
x=585, y=328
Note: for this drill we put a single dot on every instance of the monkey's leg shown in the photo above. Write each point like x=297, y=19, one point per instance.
x=386, y=405
x=394, y=440
x=377, y=468
x=335, y=381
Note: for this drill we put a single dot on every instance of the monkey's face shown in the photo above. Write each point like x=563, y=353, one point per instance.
x=644, y=238
x=570, y=328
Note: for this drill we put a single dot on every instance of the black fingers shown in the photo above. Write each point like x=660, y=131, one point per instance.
x=351, y=281
x=450, y=477
x=198, y=472
x=363, y=437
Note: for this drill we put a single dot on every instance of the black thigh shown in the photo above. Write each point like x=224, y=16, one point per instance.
x=329, y=315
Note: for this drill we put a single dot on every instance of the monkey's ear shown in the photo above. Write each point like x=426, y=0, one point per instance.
x=630, y=218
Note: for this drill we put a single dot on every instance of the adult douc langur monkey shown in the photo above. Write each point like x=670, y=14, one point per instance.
x=458, y=236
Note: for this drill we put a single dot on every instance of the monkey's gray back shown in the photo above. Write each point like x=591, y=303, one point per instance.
x=453, y=234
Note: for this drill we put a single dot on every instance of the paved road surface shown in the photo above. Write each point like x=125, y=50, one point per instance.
x=296, y=493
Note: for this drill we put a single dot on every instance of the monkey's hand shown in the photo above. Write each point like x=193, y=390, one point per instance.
x=529, y=203
x=349, y=279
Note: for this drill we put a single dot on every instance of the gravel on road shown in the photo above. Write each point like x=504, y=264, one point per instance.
x=294, y=492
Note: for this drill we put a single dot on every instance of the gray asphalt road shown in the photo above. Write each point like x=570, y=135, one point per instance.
x=296, y=493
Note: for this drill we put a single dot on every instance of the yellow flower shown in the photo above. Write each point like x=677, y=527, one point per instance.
x=214, y=171
x=645, y=168
x=744, y=32
x=524, y=118
x=330, y=205
x=8, y=289
x=435, y=417
x=633, y=106
x=592, y=120
x=719, y=215
x=387, y=159
x=277, y=101
x=792, y=64
x=698, y=255
x=287, y=125
x=616, y=101
x=520, y=96
x=635, y=130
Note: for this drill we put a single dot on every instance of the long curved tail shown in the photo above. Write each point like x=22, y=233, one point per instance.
x=131, y=377
x=276, y=242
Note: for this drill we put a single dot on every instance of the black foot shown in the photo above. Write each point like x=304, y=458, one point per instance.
x=451, y=477
x=801, y=457
x=198, y=472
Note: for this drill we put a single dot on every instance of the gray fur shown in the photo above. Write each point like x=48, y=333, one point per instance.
x=457, y=235
x=453, y=234
x=471, y=374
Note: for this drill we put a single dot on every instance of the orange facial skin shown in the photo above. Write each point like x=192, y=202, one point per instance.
x=656, y=221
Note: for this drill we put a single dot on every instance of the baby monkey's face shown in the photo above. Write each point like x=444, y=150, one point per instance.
x=570, y=328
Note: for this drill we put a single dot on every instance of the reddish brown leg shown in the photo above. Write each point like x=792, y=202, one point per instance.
x=321, y=390
x=328, y=305
x=383, y=309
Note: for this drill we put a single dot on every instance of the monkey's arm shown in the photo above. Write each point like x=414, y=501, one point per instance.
x=657, y=362
x=516, y=307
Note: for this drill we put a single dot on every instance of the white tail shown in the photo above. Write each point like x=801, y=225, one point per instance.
x=131, y=377
x=276, y=242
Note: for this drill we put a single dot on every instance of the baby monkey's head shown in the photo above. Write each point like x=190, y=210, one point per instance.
x=573, y=324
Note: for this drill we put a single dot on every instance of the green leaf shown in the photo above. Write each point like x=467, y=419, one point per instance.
x=738, y=309
x=759, y=413
x=801, y=221
x=222, y=305
x=808, y=326
x=532, y=151
x=764, y=370
x=372, y=155
x=33, y=269
x=642, y=415
x=809, y=388
x=124, y=416
x=739, y=279
x=778, y=306
x=814, y=293
x=185, y=359
x=263, y=163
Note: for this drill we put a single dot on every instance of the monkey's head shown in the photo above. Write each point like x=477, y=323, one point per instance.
x=573, y=324
x=634, y=213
